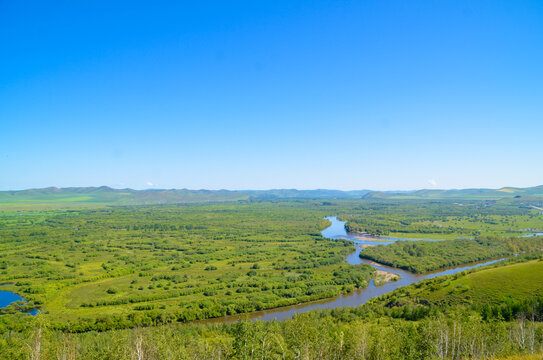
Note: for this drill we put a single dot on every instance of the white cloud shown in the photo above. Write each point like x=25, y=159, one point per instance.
x=149, y=183
x=432, y=182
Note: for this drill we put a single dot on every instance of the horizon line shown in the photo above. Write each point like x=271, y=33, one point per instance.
x=269, y=189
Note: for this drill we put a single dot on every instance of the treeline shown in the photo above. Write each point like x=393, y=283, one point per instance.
x=423, y=256
x=443, y=219
x=367, y=333
x=511, y=309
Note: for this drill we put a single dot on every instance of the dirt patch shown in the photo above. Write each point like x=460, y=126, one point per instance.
x=386, y=276
x=382, y=277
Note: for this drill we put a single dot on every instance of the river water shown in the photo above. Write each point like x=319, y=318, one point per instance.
x=335, y=231
x=8, y=297
x=358, y=297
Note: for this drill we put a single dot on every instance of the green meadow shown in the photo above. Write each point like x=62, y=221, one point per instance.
x=419, y=322
x=115, y=281
x=126, y=266
x=494, y=286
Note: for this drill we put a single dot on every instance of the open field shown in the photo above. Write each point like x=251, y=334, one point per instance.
x=519, y=282
x=113, y=268
x=72, y=197
x=102, y=196
x=461, y=194
x=122, y=266
x=178, y=263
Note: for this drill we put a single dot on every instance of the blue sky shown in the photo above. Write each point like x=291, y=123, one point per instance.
x=280, y=94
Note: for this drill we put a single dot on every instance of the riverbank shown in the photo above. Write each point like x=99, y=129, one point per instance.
x=355, y=298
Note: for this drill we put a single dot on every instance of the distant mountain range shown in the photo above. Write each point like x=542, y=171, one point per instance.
x=466, y=194
x=107, y=195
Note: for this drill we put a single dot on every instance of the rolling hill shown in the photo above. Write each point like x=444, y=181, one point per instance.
x=461, y=194
x=104, y=195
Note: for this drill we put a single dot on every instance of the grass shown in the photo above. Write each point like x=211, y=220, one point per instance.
x=113, y=268
x=184, y=262
x=195, y=261
x=521, y=281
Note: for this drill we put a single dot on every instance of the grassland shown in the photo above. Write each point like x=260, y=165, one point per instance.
x=103, y=195
x=121, y=266
x=494, y=286
x=85, y=197
x=127, y=266
x=106, y=276
x=461, y=194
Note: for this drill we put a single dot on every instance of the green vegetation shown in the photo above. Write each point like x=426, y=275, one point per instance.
x=127, y=281
x=423, y=256
x=323, y=335
x=424, y=219
x=464, y=194
x=403, y=325
x=100, y=196
x=75, y=197
x=503, y=284
x=129, y=266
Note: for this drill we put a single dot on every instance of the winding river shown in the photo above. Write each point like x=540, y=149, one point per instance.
x=358, y=297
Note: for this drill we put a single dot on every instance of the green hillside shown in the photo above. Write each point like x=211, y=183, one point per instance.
x=508, y=285
x=463, y=194
x=493, y=286
x=108, y=196
x=104, y=195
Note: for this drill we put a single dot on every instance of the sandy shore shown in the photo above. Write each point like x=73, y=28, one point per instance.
x=386, y=276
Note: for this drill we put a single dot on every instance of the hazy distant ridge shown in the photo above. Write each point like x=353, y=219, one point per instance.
x=107, y=195
x=469, y=194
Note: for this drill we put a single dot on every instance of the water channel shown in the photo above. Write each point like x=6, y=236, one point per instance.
x=358, y=297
